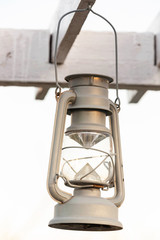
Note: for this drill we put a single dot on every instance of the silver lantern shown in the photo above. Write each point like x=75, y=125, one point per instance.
x=87, y=157
x=86, y=154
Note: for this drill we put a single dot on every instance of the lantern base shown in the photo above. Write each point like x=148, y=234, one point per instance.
x=86, y=211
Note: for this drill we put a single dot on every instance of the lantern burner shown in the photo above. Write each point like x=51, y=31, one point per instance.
x=88, y=170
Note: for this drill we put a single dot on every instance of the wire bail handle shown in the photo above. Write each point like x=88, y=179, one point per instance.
x=58, y=87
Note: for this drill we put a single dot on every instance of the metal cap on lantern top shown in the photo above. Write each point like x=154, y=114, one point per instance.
x=88, y=105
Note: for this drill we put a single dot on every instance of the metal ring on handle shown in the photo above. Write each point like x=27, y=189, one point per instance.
x=118, y=103
x=58, y=89
x=57, y=93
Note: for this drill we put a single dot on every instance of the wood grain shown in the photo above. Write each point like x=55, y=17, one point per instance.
x=24, y=59
x=70, y=26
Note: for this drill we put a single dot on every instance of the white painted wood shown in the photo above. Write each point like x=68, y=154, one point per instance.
x=155, y=25
x=134, y=96
x=24, y=59
x=94, y=53
x=158, y=48
x=155, y=28
x=41, y=93
x=70, y=26
x=24, y=56
x=69, y=29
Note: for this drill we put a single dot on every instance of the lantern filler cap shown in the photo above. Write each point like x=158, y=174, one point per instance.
x=86, y=79
x=91, y=75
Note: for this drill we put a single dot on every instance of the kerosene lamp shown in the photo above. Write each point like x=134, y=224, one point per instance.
x=86, y=155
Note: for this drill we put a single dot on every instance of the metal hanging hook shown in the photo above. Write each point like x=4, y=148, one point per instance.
x=58, y=87
x=117, y=100
x=89, y=8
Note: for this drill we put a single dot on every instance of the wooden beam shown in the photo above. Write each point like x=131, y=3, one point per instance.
x=155, y=28
x=24, y=59
x=41, y=93
x=135, y=95
x=70, y=26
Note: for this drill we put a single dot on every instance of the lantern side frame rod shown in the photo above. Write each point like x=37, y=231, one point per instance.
x=119, y=181
x=57, y=139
